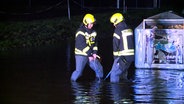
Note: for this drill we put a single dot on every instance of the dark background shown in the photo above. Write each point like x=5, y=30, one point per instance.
x=34, y=9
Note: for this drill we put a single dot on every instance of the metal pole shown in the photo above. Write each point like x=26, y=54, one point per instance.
x=124, y=7
x=117, y=4
x=155, y=3
x=68, y=3
x=159, y=4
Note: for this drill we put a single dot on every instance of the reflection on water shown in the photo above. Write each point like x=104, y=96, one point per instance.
x=163, y=86
x=121, y=93
x=94, y=92
x=41, y=76
x=88, y=95
x=149, y=86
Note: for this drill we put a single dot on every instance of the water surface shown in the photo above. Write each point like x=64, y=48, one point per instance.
x=42, y=76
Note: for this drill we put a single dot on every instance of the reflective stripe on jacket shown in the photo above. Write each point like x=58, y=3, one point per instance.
x=123, y=44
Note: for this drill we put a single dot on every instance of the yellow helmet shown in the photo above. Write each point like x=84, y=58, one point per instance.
x=116, y=18
x=88, y=18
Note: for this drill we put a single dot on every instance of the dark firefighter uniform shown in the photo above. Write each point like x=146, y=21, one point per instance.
x=85, y=46
x=123, y=51
x=85, y=42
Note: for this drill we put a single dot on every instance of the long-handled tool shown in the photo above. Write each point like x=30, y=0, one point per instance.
x=107, y=75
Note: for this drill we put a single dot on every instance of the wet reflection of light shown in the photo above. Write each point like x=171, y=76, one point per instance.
x=164, y=86
x=121, y=93
x=85, y=95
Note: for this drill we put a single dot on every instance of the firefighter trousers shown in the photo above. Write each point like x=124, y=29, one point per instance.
x=81, y=62
x=119, y=70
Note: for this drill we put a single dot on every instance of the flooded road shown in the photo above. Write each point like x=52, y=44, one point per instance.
x=42, y=76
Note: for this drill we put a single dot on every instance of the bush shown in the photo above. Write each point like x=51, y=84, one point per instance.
x=18, y=34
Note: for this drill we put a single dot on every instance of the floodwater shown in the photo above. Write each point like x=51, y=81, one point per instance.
x=42, y=76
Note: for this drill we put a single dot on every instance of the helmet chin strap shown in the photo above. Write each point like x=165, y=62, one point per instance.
x=115, y=25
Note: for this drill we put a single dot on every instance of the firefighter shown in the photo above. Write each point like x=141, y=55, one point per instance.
x=86, y=49
x=123, y=48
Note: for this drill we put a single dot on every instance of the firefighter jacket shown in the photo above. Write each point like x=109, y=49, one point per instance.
x=123, y=43
x=85, y=42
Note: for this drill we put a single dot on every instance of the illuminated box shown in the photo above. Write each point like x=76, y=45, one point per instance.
x=159, y=42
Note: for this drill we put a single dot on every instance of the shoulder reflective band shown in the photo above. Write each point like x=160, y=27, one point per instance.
x=79, y=32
